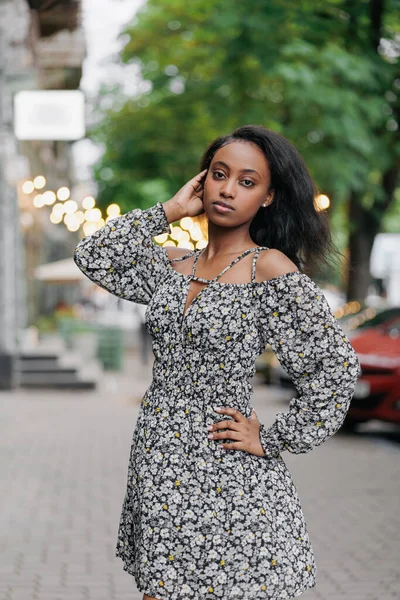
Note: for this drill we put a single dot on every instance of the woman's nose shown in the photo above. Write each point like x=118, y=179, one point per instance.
x=228, y=188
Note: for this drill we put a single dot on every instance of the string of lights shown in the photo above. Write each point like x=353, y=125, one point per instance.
x=66, y=211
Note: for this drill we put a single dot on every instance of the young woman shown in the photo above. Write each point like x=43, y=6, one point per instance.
x=211, y=511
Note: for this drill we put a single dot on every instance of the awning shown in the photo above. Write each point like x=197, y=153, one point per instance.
x=60, y=271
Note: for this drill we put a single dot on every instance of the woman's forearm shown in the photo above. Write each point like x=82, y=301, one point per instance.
x=173, y=211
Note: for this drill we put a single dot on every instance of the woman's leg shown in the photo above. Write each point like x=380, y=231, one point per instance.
x=146, y=597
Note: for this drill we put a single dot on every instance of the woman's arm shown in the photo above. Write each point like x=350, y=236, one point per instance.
x=311, y=346
x=122, y=257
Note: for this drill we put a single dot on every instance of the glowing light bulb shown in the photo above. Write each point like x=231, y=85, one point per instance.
x=322, y=202
x=70, y=220
x=80, y=216
x=38, y=201
x=72, y=223
x=88, y=202
x=89, y=228
x=28, y=187
x=160, y=239
x=70, y=206
x=58, y=209
x=63, y=193
x=176, y=233
x=49, y=197
x=55, y=218
x=186, y=244
x=113, y=210
x=94, y=214
x=186, y=223
x=185, y=237
x=39, y=182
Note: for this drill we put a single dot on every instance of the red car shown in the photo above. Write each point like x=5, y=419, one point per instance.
x=377, y=393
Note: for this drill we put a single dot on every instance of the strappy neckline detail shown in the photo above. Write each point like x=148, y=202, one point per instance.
x=214, y=281
x=193, y=276
x=256, y=250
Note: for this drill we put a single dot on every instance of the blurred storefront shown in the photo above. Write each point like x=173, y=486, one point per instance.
x=44, y=52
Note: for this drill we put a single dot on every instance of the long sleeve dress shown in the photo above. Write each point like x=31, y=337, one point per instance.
x=200, y=522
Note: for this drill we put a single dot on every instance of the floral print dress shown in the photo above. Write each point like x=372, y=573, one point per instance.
x=200, y=522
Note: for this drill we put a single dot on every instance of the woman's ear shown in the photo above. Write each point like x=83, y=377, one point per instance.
x=269, y=199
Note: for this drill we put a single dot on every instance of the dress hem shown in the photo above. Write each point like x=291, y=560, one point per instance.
x=149, y=590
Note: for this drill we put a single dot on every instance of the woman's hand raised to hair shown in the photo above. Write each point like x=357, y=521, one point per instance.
x=188, y=201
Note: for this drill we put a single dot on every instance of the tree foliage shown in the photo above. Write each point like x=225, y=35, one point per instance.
x=324, y=75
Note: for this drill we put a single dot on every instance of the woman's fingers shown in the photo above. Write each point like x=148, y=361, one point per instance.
x=196, y=182
x=244, y=432
x=226, y=425
x=230, y=434
x=232, y=426
x=234, y=412
x=199, y=175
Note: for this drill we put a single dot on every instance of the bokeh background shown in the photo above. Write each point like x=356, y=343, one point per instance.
x=108, y=105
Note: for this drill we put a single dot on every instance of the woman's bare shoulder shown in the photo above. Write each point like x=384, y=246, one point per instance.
x=273, y=263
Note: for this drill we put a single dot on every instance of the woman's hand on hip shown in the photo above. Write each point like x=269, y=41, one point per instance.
x=244, y=432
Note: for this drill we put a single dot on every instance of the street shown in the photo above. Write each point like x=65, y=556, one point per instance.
x=64, y=459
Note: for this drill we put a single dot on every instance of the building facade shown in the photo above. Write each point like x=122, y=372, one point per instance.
x=41, y=47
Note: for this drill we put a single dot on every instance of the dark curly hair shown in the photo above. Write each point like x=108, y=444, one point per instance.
x=291, y=222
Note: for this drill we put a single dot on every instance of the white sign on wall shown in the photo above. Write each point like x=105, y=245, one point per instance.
x=49, y=115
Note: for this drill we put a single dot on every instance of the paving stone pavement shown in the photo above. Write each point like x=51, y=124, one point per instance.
x=64, y=459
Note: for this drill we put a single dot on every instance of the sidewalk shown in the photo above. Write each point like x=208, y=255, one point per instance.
x=64, y=459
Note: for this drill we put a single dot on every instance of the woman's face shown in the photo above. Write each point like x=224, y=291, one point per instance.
x=239, y=176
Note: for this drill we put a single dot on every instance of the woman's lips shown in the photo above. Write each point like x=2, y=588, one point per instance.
x=222, y=208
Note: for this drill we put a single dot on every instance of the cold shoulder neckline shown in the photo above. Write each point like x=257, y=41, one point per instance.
x=228, y=283
x=248, y=283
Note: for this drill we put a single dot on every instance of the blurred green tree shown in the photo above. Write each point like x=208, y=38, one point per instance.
x=324, y=75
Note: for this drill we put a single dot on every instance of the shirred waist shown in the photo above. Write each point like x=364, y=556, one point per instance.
x=207, y=380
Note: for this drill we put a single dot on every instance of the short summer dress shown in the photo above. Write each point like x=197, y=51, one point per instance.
x=200, y=522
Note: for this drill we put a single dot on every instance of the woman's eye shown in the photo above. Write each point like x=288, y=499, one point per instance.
x=215, y=173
